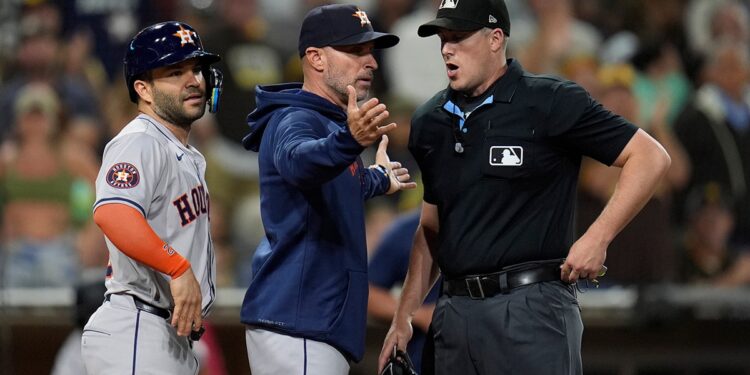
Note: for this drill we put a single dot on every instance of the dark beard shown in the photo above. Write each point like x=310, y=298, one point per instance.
x=169, y=109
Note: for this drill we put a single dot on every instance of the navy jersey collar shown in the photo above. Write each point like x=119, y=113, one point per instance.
x=505, y=89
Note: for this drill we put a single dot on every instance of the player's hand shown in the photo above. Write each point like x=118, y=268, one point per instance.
x=585, y=260
x=399, y=334
x=398, y=175
x=186, y=293
x=366, y=123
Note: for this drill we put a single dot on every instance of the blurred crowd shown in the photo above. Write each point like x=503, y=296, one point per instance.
x=679, y=69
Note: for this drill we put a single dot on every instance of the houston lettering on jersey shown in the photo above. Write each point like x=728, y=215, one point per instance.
x=191, y=206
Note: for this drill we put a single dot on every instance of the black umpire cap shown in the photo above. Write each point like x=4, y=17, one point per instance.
x=468, y=15
x=340, y=25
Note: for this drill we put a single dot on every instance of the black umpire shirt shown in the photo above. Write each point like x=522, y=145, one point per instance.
x=504, y=179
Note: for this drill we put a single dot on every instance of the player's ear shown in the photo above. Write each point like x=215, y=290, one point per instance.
x=316, y=58
x=143, y=89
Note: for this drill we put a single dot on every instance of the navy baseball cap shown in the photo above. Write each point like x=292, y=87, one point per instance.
x=340, y=25
x=468, y=15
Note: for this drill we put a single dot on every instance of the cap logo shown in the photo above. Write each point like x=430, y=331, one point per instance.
x=363, y=20
x=448, y=4
x=186, y=36
x=493, y=19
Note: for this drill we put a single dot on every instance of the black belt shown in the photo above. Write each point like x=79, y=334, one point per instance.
x=143, y=306
x=488, y=285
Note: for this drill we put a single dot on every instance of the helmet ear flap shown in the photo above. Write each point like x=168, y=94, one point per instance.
x=214, y=86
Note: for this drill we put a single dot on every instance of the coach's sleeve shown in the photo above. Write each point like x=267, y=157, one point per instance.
x=306, y=155
x=375, y=182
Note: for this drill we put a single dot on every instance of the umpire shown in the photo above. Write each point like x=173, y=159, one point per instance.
x=500, y=150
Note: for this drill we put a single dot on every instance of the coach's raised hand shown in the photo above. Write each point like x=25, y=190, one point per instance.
x=366, y=122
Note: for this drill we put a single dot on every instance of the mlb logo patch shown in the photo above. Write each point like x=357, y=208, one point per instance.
x=506, y=156
x=449, y=4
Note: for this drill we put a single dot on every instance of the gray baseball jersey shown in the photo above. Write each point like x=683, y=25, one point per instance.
x=146, y=167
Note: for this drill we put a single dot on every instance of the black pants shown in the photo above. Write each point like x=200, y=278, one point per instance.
x=534, y=330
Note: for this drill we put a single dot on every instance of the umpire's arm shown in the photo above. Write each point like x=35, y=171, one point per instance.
x=644, y=163
x=422, y=274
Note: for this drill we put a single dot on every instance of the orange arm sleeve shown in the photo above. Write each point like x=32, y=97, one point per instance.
x=129, y=231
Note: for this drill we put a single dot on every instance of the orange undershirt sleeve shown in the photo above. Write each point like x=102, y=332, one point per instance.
x=130, y=232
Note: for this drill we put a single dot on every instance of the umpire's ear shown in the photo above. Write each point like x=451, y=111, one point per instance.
x=498, y=39
x=316, y=58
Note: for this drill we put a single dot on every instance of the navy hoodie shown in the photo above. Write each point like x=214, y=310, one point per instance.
x=310, y=272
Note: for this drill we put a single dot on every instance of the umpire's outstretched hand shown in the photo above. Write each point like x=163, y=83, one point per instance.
x=398, y=175
x=186, y=293
x=365, y=121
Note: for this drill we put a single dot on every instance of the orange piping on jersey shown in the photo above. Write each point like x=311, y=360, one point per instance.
x=129, y=231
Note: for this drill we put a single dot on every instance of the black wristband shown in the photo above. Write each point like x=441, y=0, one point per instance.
x=382, y=169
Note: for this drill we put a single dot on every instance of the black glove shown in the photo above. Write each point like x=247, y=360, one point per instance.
x=399, y=364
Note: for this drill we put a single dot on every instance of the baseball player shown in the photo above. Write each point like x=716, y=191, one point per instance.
x=152, y=204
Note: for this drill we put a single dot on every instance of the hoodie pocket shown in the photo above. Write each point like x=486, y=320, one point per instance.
x=347, y=332
x=355, y=302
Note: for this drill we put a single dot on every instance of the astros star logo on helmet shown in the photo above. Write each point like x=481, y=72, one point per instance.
x=186, y=36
